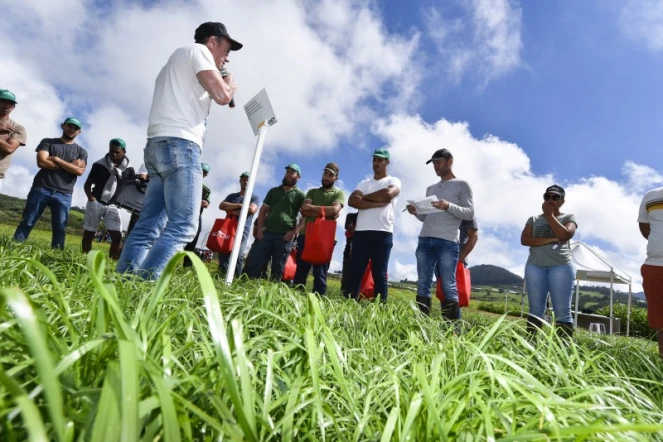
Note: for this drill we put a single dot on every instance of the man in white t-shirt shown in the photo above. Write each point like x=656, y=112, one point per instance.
x=183, y=95
x=650, y=220
x=375, y=198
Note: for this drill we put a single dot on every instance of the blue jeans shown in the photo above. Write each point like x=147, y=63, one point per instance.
x=558, y=280
x=271, y=246
x=171, y=208
x=38, y=199
x=437, y=256
x=224, y=260
x=376, y=246
x=303, y=269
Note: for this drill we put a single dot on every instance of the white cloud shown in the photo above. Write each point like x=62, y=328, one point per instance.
x=484, y=42
x=642, y=22
x=321, y=65
x=403, y=271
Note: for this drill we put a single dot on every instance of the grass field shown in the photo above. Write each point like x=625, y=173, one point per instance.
x=88, y=355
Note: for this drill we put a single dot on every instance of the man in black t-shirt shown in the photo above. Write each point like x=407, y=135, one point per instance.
x=107, y=178
x=61, y=161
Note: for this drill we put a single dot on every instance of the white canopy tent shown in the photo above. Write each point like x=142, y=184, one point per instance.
x=590, y=266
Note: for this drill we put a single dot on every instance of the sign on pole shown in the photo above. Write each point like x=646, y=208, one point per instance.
x=260, y=112
x=261, y=115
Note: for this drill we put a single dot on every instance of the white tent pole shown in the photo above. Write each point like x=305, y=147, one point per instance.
x=522, y=300
x=628, y=317
x=575, y=320
x=611, y=297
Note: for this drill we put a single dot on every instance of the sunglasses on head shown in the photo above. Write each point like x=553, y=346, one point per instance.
x=553, y=196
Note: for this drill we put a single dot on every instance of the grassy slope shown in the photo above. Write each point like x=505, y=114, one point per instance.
x=272, y=364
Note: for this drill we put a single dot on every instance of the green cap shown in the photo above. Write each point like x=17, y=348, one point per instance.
x=118, y=142
x=6, y=95
x=205, y=167
x=294, y=167
x=381, y=153
x=245, y=174
x=74, y=121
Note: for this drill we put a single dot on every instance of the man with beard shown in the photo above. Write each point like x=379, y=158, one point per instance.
x=232, y=205
x=375, y=198
x=438, y=248
x=183, y=95
x=61, y=161
x=327, y=200
x=104, y=183
x=204, y=204
x=277, y=226
x=12, y=134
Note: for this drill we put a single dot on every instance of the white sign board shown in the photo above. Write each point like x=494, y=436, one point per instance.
x=260, y=112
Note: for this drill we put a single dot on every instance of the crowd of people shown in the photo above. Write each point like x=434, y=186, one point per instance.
x=170, y=218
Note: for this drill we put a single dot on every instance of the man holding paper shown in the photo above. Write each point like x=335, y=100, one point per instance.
x=375, y=198
x=438, y=247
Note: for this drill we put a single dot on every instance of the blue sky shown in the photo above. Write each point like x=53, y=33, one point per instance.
x=523, y=93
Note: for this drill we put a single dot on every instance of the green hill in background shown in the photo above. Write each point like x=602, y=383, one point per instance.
x=11, y=211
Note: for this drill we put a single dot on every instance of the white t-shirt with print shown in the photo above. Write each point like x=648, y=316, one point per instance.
x=379, y=218
x=651, y=212
x=180, y=104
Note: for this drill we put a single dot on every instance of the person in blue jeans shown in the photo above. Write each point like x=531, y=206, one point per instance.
x=549, y=267
x=61, y=161
x=438, y=250
x=183, y=95
x=232, y=205
x=328, y=200
x=375, y=198
x=277, y=226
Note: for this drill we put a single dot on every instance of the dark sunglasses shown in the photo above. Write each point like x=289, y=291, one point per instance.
x=554, y=196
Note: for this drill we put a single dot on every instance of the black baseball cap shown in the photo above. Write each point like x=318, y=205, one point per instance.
x=556, y=189
x=441, y=154
x=215, y=29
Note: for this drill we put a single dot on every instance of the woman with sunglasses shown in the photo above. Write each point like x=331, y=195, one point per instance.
x=549, y=267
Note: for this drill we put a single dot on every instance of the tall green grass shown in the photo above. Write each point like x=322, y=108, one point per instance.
x=88, y=355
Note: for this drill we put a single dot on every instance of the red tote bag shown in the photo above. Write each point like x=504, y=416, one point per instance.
x=290, y=267
x=463, y=284
x=222, y=237
x=367, y=288
x=319, y=244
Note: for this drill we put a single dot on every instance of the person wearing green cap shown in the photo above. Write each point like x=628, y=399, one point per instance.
x=328, y=200
x=277, y=226
x=232, y=205
x=375, y=198
x=204, y=204
x=12, y=134
x=103, y=185
x=61, y=161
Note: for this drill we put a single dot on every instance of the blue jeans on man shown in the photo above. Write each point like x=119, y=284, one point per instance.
x=38, y=199
x=271, y=246
x=375, y=246
x=438, y=256
x=224, y=260
x=171, y=208
x=303, y=268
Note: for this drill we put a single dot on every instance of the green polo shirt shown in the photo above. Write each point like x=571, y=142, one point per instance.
x=323, y=197
x=283, y=209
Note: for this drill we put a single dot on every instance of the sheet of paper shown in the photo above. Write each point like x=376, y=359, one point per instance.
x=425, y=206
